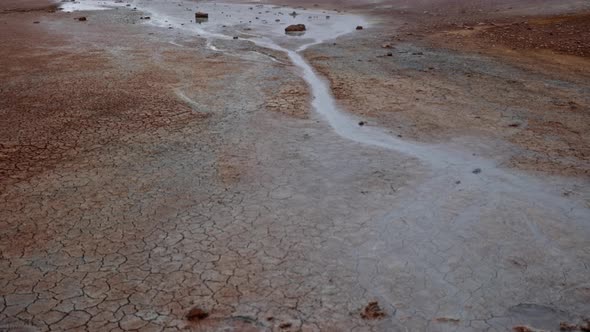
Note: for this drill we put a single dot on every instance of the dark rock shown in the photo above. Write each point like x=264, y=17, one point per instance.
x=196, y=314
x=477, y=171
x=373, y=311
x=201, y=15
x=82, y=18
x=389, y=54
x=235, y=37
x=362, y=123
x=36, y=22
x=447, y=320
x=359, y=27
x=285, y=325
x=295, y=28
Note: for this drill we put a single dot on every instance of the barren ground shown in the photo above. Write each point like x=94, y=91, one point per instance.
x=144, y=173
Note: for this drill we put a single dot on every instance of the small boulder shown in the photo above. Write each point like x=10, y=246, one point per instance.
x=295, y=28
x=196, y=314
x=359, y=27
x=201, y=15
x=373, y=311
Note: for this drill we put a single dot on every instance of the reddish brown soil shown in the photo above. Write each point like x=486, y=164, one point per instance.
x=61, y=97
x=568, y=34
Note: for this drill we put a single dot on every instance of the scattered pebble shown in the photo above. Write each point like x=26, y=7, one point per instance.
x=447, y=320
x=196, y=314
x=285, y=325
x=373, y=311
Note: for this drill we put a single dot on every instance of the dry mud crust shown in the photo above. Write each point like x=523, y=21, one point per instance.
x=140, y=179
x=264, y=220
x=62, y=96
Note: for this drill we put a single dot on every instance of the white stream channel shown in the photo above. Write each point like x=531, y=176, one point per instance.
x=264, y=25
x=258, y=24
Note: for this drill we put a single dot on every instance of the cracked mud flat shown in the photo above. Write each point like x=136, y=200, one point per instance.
x=146, y=171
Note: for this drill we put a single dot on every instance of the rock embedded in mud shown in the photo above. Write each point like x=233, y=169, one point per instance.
x=285, y=325
x=447, y=320
x=196, y=314
x=564, y=326
x=201, y=15
x=295, y=28
x=373, y=311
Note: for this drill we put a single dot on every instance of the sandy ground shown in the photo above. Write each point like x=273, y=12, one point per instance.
x=143, y=174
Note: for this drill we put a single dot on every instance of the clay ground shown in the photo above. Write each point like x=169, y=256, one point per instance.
x=143, y=174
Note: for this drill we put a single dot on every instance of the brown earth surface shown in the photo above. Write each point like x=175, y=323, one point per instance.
x=143, y=175
x=522, y=79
